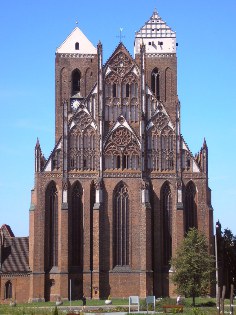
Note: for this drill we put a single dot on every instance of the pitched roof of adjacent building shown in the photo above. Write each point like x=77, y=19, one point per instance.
x=14, y=252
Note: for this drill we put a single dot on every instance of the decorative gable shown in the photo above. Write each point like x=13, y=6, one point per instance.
x=77, y=43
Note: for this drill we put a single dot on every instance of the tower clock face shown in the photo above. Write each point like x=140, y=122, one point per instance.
x=75, y=104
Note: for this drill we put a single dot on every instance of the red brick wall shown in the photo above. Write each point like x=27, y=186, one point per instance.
x=20, y=288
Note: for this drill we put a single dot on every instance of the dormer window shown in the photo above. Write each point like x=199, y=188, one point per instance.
x=76, y=46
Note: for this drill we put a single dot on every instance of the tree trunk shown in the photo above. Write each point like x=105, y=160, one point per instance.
x=193, y=300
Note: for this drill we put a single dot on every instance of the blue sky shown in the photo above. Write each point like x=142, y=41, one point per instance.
x=30, y=32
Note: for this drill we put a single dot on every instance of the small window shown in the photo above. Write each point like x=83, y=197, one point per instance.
x=149, y=43
x=114, y=90
x=171, y=164
x=188, y=163
x=118, y=162
x=76, y=76
x=51, y=282
x=127, y=90
x=8, y=290
x=72, y=163
x=54, y=163
x=155, y=83
x=77, y=46
x=124, y=161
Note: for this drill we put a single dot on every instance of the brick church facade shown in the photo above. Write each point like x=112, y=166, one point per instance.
x=113, y=201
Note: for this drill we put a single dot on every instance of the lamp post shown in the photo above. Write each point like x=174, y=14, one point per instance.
x=70, y=293
x=217, y=267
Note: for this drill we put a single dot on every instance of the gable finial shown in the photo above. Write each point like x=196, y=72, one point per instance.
x=121, y=36
x=155, y=13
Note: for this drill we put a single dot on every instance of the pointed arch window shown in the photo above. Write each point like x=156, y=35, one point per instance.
x=89, y=148
x=76, y=77
x=121, y=226
x=76, y=46
x=76, y=225
x=51, y=219
x=8, y=290
x=155, y=82
x=166, y=208
x=190, y=207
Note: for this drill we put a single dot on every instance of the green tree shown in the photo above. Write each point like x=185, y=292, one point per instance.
x=193, y=265
x=229, y=258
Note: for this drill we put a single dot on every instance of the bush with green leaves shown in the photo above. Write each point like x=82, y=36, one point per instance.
x=193, y=266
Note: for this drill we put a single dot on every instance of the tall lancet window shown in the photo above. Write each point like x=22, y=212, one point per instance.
x=76, y=225
x=76, y=77
x=166, y=208
x=121, y=226
x=190, y=207
x=51, y=226
x=155, y=83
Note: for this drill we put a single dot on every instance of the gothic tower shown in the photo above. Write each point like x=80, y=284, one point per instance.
x=121, y=188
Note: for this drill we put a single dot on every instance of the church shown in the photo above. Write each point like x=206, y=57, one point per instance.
x=121, y=188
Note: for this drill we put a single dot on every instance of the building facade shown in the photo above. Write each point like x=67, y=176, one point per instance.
x=113, y=201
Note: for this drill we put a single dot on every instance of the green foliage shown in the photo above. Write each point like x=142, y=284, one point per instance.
x=55, y=312
x=229, y=254
x=193, y=266
x=197, y=311
x=142, y=305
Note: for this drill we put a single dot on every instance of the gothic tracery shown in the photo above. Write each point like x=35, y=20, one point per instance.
x=82, y=144
x=121, y=64
x=160, y=145
x=122, y=150
x=121, y=90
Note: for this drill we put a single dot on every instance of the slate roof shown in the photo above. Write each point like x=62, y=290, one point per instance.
x=14, y=253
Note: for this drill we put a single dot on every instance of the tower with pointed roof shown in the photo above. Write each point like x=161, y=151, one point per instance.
x=120, y=189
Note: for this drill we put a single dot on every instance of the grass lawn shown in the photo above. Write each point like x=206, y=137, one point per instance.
x=204, y=306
